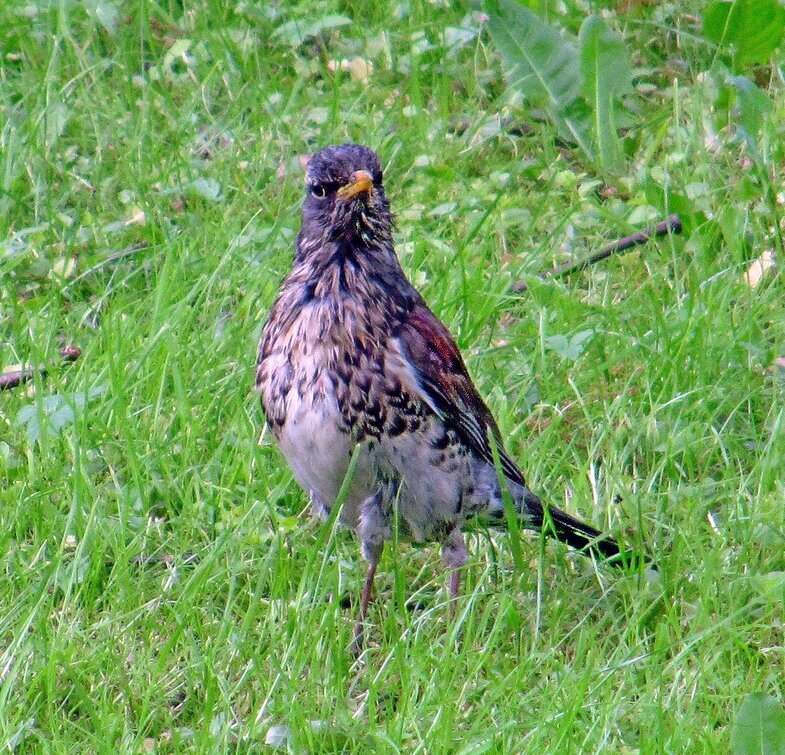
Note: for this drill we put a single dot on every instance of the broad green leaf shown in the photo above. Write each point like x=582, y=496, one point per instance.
x=176, y=61
x=754, y=28
x=752, y=105
x=759, y=728
x=771, y=585
x=108, y=16
x=106, y=13
x=294, y=33
x=208, y=188
x=605, y=74
x=668, y=201
x=178, y=51
x=570, y=348
x=57, y=117
x=542, y=64
x=26, y=413
x=539, y=62
x=58, y=411
x=575, y=124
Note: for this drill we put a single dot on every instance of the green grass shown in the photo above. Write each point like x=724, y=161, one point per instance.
x=162, y=587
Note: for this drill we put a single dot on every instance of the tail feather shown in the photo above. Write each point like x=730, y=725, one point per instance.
x=577, y=534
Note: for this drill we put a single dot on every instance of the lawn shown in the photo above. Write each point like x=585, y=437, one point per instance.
x=164, y=588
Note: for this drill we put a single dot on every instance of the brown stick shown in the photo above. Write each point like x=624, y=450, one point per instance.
x=14, y=378
x=672, y=224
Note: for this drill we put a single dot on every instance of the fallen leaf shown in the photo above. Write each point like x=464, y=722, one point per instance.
x=278, y=736
x=759, y=268
x=359, y=68
x=64, y=266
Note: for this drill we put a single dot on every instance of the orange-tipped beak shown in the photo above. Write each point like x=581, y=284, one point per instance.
x=362, y=181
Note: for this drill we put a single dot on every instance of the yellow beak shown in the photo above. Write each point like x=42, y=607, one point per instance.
x=362, y=181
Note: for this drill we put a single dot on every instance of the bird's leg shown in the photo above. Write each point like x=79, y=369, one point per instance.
x=372, y=531
x=455, y=586
x=365, y=599
x=455, y=556
x=372, y=552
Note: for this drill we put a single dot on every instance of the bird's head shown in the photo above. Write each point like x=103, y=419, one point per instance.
x=345, y=199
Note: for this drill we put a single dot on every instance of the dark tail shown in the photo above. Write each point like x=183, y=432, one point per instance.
x=583, y=537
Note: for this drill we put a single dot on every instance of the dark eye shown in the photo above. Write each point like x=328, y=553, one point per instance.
x=319, y=191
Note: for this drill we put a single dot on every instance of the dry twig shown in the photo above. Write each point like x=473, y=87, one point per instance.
x=14, y=378
x=672, y=224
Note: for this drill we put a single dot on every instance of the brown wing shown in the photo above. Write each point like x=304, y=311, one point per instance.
x=447, y=387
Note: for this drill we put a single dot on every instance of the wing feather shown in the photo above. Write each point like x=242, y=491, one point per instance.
x=444, y=380
x=445, y=385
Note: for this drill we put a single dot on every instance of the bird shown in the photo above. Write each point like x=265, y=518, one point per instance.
x=354, y=369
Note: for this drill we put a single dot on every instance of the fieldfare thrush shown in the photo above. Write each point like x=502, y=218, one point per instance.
x=352, y=358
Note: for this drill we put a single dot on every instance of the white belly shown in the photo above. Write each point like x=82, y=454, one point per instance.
x=319, y=452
